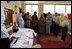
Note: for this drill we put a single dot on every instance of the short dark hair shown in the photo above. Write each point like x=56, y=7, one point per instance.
x=48, y=12
x=15, y=29
x=20, y=10
x=35, y=12
x=27, y=12
x=58, y=14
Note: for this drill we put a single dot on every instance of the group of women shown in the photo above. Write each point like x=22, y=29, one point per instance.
x=31, y=22
x=46, y=24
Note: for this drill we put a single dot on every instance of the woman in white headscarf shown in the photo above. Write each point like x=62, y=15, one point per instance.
x=48, y=23
x=20, y=20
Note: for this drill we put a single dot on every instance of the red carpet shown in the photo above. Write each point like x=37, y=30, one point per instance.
x=49, y=41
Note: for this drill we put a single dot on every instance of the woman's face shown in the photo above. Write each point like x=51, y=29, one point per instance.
x=49, y=14
x=35, y=13
x=56, y=14
x=27, y=13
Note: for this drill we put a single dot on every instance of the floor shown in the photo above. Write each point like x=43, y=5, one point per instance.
x=50, y=41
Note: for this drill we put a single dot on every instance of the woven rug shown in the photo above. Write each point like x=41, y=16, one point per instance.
x=50, y=41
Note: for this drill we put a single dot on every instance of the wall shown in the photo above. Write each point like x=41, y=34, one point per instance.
x=11, y=5
x=69, y=26
x=40, y=11
x=55, y=2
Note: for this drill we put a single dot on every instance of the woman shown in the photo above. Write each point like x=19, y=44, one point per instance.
x=45, y=15
x=56, y=24
x=35, y=22
x=28, y=20
x=48, y=23
x=41, y=24
x=20, y=20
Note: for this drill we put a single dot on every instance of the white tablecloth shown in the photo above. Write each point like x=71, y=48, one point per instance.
x=25, y=38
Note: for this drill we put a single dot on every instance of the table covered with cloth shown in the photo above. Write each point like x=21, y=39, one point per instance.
x=23, y=38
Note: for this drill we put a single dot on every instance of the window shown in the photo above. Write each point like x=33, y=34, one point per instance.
x=48, y=8
x=68, y=9
x=28, y=8
x=60, y=9
x=31, y=9
x=34, y=8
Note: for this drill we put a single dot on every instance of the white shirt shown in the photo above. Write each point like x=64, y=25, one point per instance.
x=57, y=20
x=64, y=23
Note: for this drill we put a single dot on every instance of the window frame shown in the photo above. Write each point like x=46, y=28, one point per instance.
x=55, y=6
x=60, y=4
x=48, y=4
x=68, y=4
x=31, y=7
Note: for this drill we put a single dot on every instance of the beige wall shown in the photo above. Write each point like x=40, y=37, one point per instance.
x=11, y=5
x=40, y=10
x=55, y=2
x=69, y=26
x=48, y=2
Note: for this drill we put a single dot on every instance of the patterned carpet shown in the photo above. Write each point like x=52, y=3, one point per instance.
x=50, y=41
